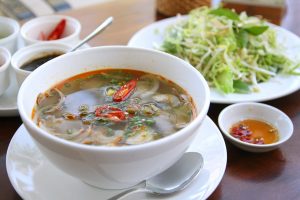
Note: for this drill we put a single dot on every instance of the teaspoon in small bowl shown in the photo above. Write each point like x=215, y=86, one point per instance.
x=98, y=30
x=174, y=179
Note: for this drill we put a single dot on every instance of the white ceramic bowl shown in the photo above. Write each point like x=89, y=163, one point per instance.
x=31, y=30
x=114, y=167
x=4, y=69
x=31, y=52
x=241, y=111
x=9, y=31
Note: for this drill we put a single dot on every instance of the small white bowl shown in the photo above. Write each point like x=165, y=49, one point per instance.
x=4, y=69
x=241, y=111
x=31, y=52
x=9, y=31
x=31, y=30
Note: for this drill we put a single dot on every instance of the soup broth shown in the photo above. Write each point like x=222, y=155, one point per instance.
x=114, y=108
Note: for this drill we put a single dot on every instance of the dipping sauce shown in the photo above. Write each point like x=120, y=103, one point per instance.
x=35, y=63
x=114, y=107
x=254, y=131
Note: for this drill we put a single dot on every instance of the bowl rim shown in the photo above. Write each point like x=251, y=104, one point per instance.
x=255, y=104
x=191, y=126
x=12, y=23
x=27, y=25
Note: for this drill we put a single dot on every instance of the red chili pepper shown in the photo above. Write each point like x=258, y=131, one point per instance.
x=124, y=92
x=112, y=113
x=58, y=30
x=105, y=109
x=115, y=115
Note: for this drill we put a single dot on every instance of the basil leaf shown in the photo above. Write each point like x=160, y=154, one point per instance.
x=256, y=30
x=240, y=87
x=225, y=12
x=241, y=38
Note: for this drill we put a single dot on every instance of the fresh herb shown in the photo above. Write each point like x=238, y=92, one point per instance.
x=225, y=12
x=241, y=87
x=256, y=30
x=231, y=51
x=241, y=38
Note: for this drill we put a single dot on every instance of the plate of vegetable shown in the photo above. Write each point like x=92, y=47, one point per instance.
x=243, y=58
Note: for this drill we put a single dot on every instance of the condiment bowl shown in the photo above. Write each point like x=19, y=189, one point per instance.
x=31, y=30
x=114, y=167
x=258, y=111
x=4, y=69
x=9, y=32
x=29, y=53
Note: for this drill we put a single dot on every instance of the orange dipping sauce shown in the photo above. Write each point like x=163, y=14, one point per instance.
x=254, y=131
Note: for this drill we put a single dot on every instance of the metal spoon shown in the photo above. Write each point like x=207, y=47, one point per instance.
x=175, y=178
x=98, y=30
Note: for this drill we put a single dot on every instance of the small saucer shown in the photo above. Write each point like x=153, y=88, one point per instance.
x=34, y=178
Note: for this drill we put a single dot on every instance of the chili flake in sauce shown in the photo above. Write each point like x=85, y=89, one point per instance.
x=254, y=131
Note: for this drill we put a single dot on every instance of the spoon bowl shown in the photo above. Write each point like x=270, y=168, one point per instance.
x=175, y=178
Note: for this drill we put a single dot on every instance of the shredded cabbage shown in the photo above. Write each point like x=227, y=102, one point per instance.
x=233, y=52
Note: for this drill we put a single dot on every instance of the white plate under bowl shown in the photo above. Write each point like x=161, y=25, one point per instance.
x=276, y=87
x=34, y=178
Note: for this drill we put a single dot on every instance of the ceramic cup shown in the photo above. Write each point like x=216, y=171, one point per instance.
x=31, y=30
x=9, y=31
x=29, y=53
x=105, y=166
x=4, y=69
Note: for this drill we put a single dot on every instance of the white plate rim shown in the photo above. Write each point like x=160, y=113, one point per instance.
x=216, y=96
x=208, y=123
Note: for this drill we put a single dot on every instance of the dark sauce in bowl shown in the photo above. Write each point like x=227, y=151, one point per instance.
x=38, y=61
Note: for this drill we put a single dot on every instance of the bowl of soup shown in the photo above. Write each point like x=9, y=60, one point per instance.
x=113, y=116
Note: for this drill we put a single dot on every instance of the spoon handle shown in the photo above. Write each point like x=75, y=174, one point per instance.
x=98, y=30
x=128, y=192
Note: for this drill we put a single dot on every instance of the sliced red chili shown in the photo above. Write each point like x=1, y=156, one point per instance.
x=110, y=112
x=115, y=115
x=105, y=109
x=57, y=31
x=125, y=91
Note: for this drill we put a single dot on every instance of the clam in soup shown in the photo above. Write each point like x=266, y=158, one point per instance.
x=114, y=107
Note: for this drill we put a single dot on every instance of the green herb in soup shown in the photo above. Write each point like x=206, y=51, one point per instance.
x=114, y=108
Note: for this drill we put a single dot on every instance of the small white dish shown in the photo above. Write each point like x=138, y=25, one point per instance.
x=9, y=32
x=31, y=30
x=276, y=87
x=4, y=69
x=241, y=111
x=8, y=101
x=31, y=52
x=35, y=178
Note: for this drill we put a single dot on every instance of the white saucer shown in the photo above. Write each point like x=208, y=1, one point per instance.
x=34, y=178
